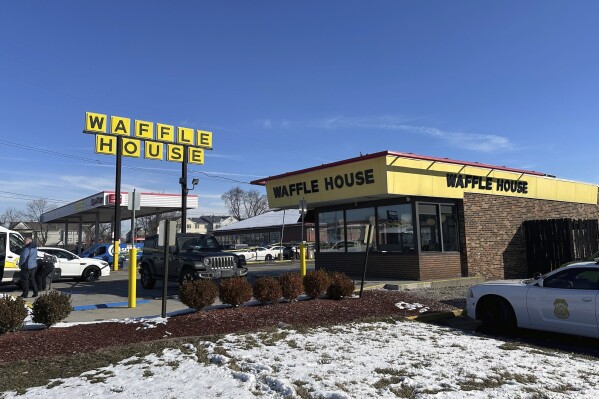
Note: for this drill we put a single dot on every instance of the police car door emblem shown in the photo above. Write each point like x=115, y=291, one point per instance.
x=561, y=309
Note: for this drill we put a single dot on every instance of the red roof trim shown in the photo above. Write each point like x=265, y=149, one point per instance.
x=263, y=181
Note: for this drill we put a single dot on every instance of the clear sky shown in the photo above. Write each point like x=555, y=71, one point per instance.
x=288, y=85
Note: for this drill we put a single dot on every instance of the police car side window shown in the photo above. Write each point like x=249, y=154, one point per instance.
x=579, y=279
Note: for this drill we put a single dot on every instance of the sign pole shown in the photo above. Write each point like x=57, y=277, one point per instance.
x=369, y=231
x=117, y=203
x=303, y=209
x=167, y=239
x=183, y=182
x=133, y=205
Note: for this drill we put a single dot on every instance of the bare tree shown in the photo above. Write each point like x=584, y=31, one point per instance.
x=149, y=224
x=233, y=200
x=104, y=230
x=244, y=204
x=255, y=203
x=10, y=216
x=34, y=210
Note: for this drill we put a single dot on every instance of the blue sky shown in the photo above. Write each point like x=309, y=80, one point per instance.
x=288, y=85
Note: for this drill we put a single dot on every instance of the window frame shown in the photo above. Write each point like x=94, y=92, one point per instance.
x=438, y=215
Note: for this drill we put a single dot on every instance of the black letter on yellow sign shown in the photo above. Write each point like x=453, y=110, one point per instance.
x=196, y=155
x=105, y=144
x=175, y=153
x=154, y=150
x=95, y=122
x=131, y=148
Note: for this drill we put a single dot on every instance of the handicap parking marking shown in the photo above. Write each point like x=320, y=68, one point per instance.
x=108, y=305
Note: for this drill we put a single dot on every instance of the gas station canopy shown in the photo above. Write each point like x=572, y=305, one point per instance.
x=99, y=208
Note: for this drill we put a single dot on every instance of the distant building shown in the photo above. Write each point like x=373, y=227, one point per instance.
x=55, y=232
x=265, y=229
x=206, y=224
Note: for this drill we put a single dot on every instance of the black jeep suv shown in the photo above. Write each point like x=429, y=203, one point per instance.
x=193, y=256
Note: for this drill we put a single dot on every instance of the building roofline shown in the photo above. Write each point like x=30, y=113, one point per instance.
x=262, y=182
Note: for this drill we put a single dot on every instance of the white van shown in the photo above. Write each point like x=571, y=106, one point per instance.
x=11, y=243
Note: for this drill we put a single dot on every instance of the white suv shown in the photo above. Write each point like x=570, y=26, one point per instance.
x=71, y=265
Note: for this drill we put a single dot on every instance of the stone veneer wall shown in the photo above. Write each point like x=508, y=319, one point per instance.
x=495, y=243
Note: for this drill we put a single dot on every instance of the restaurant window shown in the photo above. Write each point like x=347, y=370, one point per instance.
x=356, y=222
x=449, y=228
x=438, y=224
x=430, y=236
x=395, y=228
x=331, y=230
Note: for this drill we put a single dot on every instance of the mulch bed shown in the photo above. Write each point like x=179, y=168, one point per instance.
x=83, y=338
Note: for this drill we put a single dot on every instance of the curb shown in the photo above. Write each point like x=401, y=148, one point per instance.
x=436, y=316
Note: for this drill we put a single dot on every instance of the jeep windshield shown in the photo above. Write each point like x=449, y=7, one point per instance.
x=198, y=244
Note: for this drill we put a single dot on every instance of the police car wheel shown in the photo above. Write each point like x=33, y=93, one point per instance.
x=497, y=315
x=268, y=258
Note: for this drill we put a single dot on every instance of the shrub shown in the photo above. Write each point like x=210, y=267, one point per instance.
x=12, y=313
x=267, y=289
x=51, y=308
x=341, y=286
x=291, y=286
x=198, y=293
x=316, y=283
x=235, y=291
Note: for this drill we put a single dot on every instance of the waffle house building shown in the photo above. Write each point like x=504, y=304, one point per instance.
x=433, y=218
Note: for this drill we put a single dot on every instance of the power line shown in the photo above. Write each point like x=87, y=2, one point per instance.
x=30, y=196
x=99, y=162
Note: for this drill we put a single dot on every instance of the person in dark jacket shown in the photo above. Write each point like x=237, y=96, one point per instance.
x=44, y=268
x=28, y=264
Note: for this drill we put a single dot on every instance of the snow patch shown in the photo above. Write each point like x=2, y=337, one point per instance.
x=412, y=306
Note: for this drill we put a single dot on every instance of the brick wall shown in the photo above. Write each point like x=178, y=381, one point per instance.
x=440, y=265
x=495, y=244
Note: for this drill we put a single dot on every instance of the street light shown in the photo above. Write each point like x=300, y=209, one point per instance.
x=194, y=183
x=184, y=192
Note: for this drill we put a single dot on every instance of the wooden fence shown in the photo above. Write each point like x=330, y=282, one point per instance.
x=553, y=242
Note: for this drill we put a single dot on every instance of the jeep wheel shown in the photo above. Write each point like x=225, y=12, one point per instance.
x=147, y=281
x=187, y=275
x=91, y=273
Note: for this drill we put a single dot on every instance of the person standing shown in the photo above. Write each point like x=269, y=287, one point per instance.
x=44, y=269
x=28, y=264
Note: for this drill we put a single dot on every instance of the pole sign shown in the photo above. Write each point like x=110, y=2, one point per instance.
x=158, y=140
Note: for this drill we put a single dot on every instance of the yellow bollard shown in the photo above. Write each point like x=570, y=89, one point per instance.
x=133, y=277
x=115, y=256
x=302, y=259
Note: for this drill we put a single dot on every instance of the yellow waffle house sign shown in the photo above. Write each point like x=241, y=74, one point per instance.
x=388, y=174
x=158, y=140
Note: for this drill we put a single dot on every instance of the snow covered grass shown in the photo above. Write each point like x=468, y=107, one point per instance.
x=362, y=360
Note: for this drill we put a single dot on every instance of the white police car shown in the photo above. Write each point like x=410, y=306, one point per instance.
x=564, y=301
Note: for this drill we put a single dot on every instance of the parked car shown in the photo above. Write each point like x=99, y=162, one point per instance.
x=291, y=252
x=265, y=254
x=71, y=265
x=563, y=301
x=192, y=257
x=246, y=253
